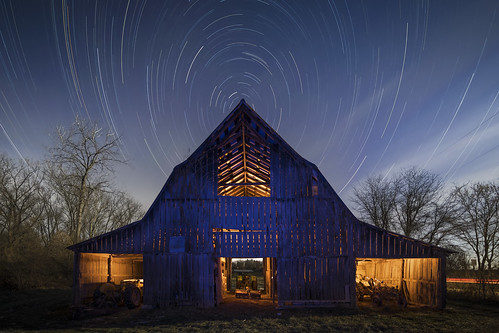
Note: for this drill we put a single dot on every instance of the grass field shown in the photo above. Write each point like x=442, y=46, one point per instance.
x=48, y=310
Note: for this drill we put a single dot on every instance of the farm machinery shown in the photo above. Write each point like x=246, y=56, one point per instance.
x=128, y=292
x=379, y=291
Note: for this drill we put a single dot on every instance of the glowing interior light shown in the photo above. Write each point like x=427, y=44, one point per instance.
x=244, y=162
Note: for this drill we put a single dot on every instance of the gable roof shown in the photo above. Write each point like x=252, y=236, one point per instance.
x=242, y=116
x=243, y=141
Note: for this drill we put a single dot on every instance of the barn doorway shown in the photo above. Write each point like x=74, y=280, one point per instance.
x=246, y=279
x=403, y=281
x=118, y=270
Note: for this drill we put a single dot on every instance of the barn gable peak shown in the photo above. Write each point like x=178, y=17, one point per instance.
x=243, y=142
x=243, y=114
x=258, y=129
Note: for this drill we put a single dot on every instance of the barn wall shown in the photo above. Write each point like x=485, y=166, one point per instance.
x=421, y=277
x=315, y=261
x=179, y=279
x=373, y=242
x=127, y=239
x=93, y=272
x=309, y=281
x=245, y=227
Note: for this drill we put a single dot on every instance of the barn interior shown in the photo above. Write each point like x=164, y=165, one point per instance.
x=99, y=268
x=244, y=160
x=379, y=280
x=246, y=278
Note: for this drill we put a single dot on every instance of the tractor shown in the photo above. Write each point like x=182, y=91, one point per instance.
x=128, y=292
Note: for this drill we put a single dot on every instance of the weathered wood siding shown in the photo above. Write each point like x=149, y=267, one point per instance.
x=373, y=242
x=314, y=281
x=93, y=272
x=421, y=277
x=127, y=239
x=245, y=227
x=315, y=259
x=179, y=279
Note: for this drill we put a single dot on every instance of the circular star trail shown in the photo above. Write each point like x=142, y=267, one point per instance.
x=356, y=87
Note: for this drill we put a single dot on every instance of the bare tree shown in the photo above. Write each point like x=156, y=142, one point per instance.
x=376, y=201
x=412, y=203
x=19, y=185
x=477, y=221
x=50, y=225
x=125, y=210
x=438, y=222
x=108, y=211
x=80, y=164
x=418, y=194
x=19, y=213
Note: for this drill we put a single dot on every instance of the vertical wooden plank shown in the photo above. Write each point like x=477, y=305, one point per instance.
x=244, y=225
x=76, y=278
x=207, y=278
x=441, y=282
x=334, y=281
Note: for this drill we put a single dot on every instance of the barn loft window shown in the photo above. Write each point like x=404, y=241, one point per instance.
x=244, y=160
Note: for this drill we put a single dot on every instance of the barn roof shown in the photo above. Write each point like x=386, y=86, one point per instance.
x=242, y=140
x=242, y=116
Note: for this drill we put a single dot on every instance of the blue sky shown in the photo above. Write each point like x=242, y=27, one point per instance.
x=357, y=87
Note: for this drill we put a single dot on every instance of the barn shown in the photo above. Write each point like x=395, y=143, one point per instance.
x=245, y=193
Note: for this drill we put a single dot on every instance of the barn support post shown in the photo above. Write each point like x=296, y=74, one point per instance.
x=149, y=279
x=442, y=283
x=109, y=270
x=275, y=282
x=218, y=281
x=403, y=288
x=76, y=279
x=352, y=268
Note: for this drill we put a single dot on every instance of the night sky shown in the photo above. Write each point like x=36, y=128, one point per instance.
x=356, y=87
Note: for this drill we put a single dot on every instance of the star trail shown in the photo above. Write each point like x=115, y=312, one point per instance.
x=357, y=87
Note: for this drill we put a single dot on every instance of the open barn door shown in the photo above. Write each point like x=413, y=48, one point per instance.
x=116, y=272
x=240, y=279
x=409, y=280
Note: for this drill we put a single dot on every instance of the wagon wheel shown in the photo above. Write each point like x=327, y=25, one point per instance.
x=377, y=300
x=132, y=296
x=359, y=290
x=104, y=296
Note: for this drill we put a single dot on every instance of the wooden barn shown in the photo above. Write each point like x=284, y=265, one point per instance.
x=245, y=193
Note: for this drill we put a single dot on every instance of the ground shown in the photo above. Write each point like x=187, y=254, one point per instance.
x=48, y=310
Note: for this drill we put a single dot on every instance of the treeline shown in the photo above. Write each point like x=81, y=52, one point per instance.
x=249, y=264
x=48, y=205
x=416, y=203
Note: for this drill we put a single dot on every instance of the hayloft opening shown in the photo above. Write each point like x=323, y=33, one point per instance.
x=247, y=278
x=243, y=160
